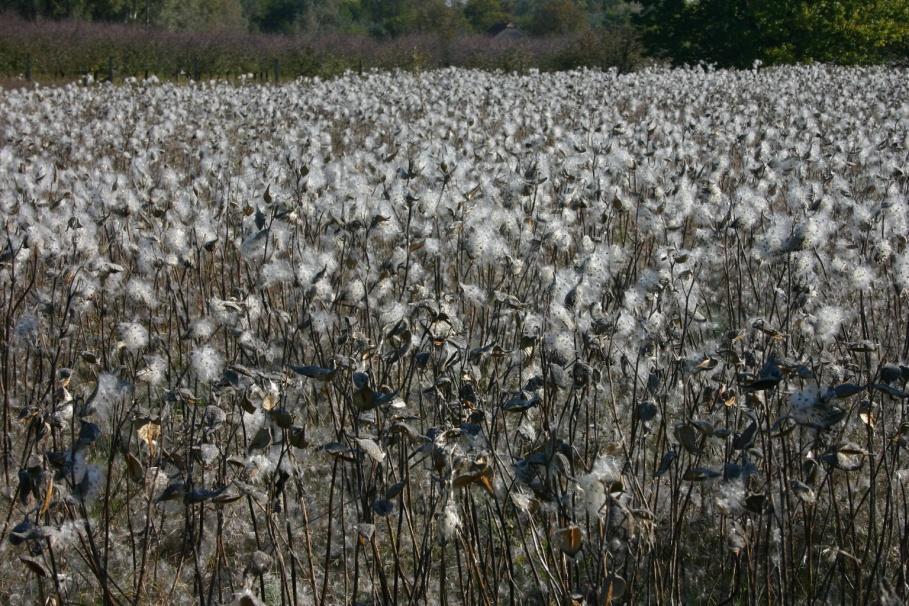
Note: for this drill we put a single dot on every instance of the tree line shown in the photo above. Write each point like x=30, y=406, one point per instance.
x=724, y=32
x=380, y=18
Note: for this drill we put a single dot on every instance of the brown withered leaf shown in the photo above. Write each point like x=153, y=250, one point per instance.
x=48, y=495
x=35, y=566
x=282, y=417
x=475, y=471
x=149, y=434
x=134, y=468
x=227, y=496
x=708, y=363
x=745, y=440
x=689, y=437
x=569, y=540
x=616, y=586
x=296, y=437
x=867, y=413
x=269, y=401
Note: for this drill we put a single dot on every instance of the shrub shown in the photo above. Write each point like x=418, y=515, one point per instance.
x=69, y=49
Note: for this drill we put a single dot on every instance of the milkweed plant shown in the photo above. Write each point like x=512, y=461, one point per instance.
x=457, y=337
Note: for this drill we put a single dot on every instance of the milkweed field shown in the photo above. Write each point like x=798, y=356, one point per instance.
x=457, y=337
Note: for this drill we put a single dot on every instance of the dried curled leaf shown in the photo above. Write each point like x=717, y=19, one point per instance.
x=569, y=540
x=476, y=471
x=134, y=468
x=863, y=346
x=35, y=566
x=665, y=463
x=615, y=588
x=227, y=496
x=867, y=413
x=339, y=450
x=708, y=363
x=48, y=495
x=296, y=437
x=149, y=434
x=689, y=437
x=745, y=440
x=262, y=439
x=199, y=495
x=282, y=417
x=845, y=457
x=365, y=532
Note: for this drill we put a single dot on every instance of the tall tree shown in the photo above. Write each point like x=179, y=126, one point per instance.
x=197, y=15
x=850, y=31
x=483, y=15
x=396, y=17
x=738, y=32
x=558, y=17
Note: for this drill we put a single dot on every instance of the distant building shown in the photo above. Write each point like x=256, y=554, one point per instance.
x=505, y=30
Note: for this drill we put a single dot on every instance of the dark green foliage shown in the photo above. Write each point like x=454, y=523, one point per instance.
x=558, y=17
x=738, y=32
x=415, y=16
x=483, y=15
x=724, y=31
x=615, y=47
x=276, y=15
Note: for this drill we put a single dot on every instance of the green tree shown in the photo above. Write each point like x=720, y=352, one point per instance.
x=738, y=32
x=198, y=15
x=687, y=31
x=483, y=15
x=611, y=13
x=348, y=16
x=399, y=17
x=558, y=17
x=847, y=31
x=103, y=10
x=276, y=16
